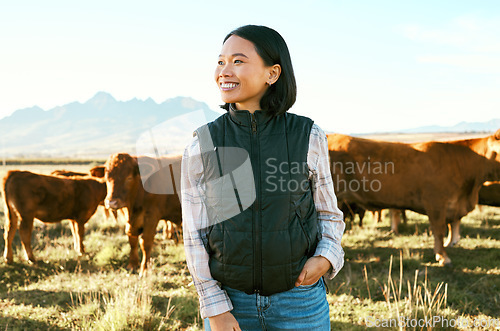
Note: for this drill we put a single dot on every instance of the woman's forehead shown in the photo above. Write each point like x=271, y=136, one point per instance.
x=235, y=45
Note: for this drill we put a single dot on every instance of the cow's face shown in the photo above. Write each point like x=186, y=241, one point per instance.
x=494, y=146
x=122, y=180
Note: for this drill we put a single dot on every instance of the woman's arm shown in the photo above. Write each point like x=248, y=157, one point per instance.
x=331, y=220
x=213, y=300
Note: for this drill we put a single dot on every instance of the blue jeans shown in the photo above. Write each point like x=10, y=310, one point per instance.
x=301, y=308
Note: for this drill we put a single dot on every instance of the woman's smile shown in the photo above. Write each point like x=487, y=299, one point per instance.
x=228, y=86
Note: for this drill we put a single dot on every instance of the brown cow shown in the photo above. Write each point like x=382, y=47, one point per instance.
x=437, y=179
x=488, y=147
x=66, y=173
x=143, y=207
x=50, y=199
x=97, y=171
x=489, y=194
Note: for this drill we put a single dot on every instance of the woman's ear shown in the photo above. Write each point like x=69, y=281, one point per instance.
x=274, y=74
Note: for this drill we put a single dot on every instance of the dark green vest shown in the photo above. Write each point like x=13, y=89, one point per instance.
x=263, y=247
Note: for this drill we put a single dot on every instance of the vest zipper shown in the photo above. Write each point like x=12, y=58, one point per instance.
x=256, y=219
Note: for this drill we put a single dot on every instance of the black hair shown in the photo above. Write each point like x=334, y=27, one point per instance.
x=272, y=48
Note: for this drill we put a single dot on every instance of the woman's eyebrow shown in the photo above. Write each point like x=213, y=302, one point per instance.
x=235, y=54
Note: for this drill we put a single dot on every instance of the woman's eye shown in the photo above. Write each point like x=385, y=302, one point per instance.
x=220, y=62
x=238, y=61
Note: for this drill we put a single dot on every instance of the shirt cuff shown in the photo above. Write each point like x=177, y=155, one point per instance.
x=333, y=253
x=214, y=301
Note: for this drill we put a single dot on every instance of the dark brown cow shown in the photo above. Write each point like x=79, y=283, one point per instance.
x=97, y=171
x=437, y=179
x=143, y=207
x=50, y=199
x=66, y=173
x=489, y=194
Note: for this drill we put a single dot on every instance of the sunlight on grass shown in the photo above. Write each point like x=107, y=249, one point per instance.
x=97, y=292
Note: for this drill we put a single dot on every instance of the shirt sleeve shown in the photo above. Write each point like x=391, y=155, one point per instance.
x=213, y=299
x=331, y=219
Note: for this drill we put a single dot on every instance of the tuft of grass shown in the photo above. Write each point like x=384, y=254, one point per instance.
x=128, y=307
x=420, y=301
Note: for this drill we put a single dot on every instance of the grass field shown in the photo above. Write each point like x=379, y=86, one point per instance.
x=385, y=276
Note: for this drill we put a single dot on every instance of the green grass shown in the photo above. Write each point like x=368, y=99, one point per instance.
x=472, y=283
x=385, y=276
x=95, y=292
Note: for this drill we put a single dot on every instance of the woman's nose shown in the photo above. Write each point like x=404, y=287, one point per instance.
x=225, y=72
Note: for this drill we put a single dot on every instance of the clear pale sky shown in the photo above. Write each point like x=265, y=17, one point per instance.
x=361, y=66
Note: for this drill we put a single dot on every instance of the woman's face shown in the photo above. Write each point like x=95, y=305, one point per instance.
x=241, y=74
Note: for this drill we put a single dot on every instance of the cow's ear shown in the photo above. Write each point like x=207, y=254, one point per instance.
x=497, y=135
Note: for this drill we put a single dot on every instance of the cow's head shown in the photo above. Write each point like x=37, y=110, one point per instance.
x=494, y=146
x=122, y=180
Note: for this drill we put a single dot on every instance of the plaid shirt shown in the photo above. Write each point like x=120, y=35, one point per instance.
x=213, y=299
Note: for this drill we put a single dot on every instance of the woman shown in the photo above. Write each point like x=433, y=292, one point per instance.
x=258, y=250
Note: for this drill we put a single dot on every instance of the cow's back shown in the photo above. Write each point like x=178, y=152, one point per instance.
x=51, y=198
x=416, y=177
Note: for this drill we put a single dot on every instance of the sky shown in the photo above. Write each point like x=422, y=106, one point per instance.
x=361, y=66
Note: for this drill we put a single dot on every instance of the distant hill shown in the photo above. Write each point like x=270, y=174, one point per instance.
x=489, y=126
x=94, y=129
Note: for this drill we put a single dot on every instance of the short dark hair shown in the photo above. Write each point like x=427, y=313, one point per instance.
x=272, y=48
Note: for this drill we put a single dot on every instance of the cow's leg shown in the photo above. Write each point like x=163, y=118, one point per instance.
x=395, y=216
x=10, y=227
x=134, y=254
x=25, y=230
x=147, y=242
x=438, y=226
x=361, y=216
x=114, y=213
x=453, y=234
x=74, y=232
x=80, y=233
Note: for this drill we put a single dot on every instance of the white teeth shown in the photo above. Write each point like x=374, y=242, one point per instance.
x=228, y=85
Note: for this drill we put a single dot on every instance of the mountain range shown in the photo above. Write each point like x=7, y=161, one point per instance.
x=102, y=126
x=93, y=129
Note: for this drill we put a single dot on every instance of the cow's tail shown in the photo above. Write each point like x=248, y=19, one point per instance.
x=7, y=210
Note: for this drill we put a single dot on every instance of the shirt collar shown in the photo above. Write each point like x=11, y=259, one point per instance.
x=244, y=117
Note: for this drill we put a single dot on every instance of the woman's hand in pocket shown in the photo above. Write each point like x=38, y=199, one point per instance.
x=313, y=270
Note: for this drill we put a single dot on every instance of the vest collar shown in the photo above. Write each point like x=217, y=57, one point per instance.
x=244, y=117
